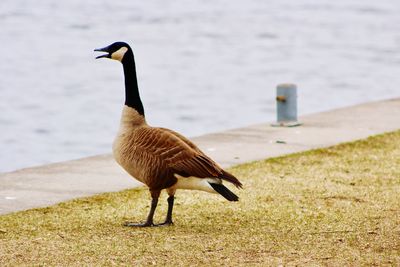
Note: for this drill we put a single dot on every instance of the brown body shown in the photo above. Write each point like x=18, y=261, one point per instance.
x=157, y=156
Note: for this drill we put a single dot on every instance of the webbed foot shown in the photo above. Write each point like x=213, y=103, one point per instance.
x=145, y=224
x=166, y=223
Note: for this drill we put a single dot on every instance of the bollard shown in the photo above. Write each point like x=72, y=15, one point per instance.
x=286, y=105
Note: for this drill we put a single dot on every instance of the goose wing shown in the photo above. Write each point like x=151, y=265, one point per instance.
x=170, y=153
x=179, y=154
x=186, y=159
x=183, y=139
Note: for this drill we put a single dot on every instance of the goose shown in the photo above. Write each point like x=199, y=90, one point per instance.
x=158, y=157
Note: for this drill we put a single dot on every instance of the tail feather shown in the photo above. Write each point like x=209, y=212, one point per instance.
x=225, y=192
x=230, y=178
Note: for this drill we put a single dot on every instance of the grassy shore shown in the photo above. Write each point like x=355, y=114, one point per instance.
x=336, y=206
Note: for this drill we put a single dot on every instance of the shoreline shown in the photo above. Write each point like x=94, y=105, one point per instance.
x=50, y=184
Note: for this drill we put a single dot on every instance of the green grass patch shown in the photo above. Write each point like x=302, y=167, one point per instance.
x=335, y=206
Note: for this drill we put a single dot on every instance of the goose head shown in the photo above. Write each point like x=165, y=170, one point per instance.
x=114, y=51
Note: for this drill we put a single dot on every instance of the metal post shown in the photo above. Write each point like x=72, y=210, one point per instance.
x=286, y=105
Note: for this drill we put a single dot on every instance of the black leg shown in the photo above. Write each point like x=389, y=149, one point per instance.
x=149, y=221
x=168, y=220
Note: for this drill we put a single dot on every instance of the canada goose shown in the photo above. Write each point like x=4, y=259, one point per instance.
x=159, y=157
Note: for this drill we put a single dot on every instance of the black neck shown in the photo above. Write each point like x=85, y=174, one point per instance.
x=132, y=98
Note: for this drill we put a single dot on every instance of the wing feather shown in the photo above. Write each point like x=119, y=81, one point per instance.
x=176, y=154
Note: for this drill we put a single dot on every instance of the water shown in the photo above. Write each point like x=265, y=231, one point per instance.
x=203, y=66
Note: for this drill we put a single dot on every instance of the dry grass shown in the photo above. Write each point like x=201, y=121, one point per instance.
x=336, y=206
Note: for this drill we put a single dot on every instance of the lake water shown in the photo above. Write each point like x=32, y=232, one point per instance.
x=203, y=66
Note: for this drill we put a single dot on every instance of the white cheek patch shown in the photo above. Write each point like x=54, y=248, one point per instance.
x=119, y=54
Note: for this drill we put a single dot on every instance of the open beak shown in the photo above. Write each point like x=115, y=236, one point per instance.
x=104, y=49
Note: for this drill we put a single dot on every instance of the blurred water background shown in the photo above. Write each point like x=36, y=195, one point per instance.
x=203, y=66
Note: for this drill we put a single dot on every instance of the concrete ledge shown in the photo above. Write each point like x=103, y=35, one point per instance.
x=50, y=184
